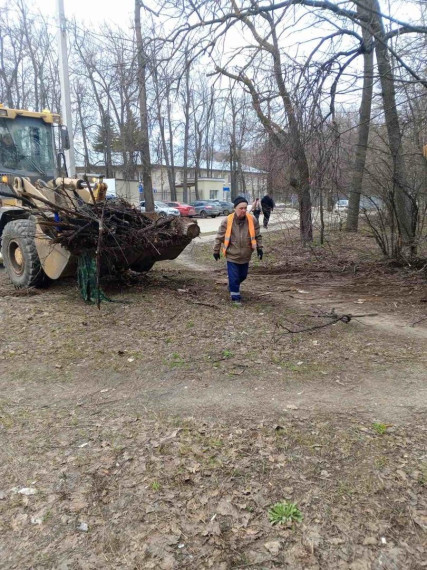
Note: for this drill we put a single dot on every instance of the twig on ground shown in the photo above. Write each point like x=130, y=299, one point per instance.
x=335, y=319
x=201, y=303
x=419, y=321
x=334, y=315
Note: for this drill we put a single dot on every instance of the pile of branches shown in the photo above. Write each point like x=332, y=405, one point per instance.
x=113, y=229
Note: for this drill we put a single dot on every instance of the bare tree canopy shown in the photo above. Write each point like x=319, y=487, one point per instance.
x=271, y=85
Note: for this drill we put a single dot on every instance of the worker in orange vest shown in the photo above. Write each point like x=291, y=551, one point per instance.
x=238, y=236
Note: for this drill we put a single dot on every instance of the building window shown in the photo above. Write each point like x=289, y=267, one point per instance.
x=213, y=194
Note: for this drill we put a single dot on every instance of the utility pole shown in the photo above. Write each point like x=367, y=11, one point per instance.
x=65, y=86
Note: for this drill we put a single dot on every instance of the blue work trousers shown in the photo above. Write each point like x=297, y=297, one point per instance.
x=237, y=273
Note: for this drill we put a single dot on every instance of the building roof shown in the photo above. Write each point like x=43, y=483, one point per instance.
x=215, y=166
x=225, y=166
x=218, y=166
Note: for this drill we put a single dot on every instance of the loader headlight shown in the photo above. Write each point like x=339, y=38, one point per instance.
x=4, y=178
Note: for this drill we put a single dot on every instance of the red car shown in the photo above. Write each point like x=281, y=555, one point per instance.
x=184, y=209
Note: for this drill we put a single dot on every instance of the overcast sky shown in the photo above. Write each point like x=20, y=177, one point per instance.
x=94, y=11
x=121, y=13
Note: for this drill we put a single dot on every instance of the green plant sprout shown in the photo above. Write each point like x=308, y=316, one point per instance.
x=284, y=512
x=379, y=427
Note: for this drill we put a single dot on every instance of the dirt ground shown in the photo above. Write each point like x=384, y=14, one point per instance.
x=158, y=431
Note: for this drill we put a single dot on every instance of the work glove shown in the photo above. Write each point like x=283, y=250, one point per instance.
x=259, y=252
x=216, y=256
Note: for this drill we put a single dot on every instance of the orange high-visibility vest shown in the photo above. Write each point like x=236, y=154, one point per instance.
x=227, y=237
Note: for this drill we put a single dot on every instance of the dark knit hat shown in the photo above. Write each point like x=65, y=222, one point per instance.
x=239, y=200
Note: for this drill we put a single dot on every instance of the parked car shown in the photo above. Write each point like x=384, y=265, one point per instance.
x=341, y=206
x=226, y=207
x=205, y=208
x=184, y=209
x=161, y=208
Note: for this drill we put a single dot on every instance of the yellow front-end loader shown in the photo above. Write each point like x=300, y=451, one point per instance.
x=29, y=170
x=35, y=189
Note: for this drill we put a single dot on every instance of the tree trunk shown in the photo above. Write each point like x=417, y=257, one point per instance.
x=161, y=121
x=270, y=162
x=108, y=151
x=171, y=170
x=234, y=189
x=402, y=202
x=198, y=132
x=186, y=131
x=86, y=156
x=241, y=176
x=234, y=180
x=143, y=112
x=364, y=122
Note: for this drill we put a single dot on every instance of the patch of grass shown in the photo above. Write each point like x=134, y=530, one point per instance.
x=284, y=512
x=227, y=353
x=176, y=360
x=291, y=367
x=380, y=428
x=213, y=442
x=237, y=474
x=155, y=486
x=185, y=449
x=345, y=489
x=214, y=462
x=6, y=420
x=422, y=479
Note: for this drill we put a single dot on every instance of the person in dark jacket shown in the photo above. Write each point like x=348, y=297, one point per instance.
x=238, y=236
x=256, y=208
x=267, y=205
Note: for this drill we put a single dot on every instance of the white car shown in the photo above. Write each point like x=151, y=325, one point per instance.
x=161, y=208
x=341, y=206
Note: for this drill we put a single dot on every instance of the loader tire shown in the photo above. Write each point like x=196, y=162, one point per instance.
x=20, y=257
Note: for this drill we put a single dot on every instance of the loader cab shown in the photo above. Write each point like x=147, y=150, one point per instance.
x=27, y=148
x=29, y=143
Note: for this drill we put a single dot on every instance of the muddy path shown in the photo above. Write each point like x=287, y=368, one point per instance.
x=182, y=347
x=374, y=365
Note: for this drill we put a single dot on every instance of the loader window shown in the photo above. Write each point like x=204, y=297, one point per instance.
x=26, y=147
x=8, y=150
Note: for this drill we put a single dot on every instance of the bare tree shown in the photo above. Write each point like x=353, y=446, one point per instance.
x=269, y=44
x=79, y=94
x=364, y=117
x=402, y=199
x=162, y=83
x=252, y=79
x=12, y=54
x=186, y=103
x=235, y=132
x=143, y=111
x=204, y=120
x=28, y=60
